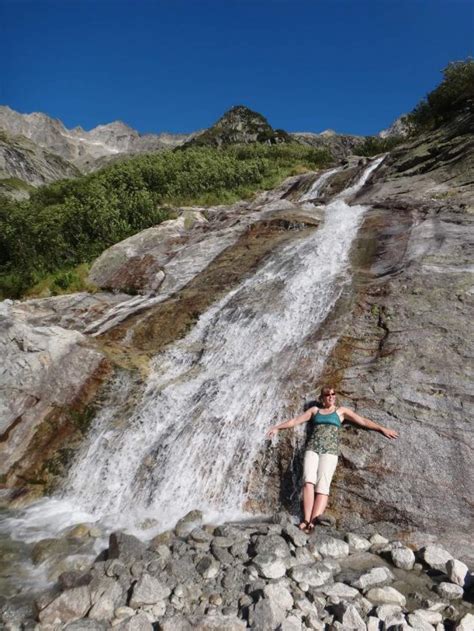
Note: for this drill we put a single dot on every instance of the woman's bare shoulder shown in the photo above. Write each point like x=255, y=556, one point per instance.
x=342, y=412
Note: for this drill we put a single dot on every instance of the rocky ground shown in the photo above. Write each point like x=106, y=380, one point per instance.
x=259, y=575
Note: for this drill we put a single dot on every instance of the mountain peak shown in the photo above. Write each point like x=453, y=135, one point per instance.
x=240, y=125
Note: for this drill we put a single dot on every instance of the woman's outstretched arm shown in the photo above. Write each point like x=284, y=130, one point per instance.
x=365, y=422
x=302, y=418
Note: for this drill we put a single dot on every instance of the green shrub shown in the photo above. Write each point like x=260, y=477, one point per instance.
x=454, y=95
x=374, y=145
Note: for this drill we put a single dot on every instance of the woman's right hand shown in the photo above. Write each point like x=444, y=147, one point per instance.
x=271, y=432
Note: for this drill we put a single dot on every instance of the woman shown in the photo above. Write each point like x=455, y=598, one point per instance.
x=322, y=450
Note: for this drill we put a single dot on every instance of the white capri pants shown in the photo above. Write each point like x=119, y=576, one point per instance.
x=318, y=469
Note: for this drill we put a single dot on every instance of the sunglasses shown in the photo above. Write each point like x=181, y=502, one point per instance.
x=330, y=394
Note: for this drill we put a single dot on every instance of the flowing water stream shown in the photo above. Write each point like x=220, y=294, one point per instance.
x=192, y=439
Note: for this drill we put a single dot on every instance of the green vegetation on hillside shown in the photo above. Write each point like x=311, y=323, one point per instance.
x=374, y=145
x=70, y=222
x=454, y=95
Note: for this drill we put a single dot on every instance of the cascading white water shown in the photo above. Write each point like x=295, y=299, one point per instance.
x=193, y=439
x=317, y=185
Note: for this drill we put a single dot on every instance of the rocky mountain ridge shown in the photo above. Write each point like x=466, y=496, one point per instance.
x=36, y=149
x=83, y=147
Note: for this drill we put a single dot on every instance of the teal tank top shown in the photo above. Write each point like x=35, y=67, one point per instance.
x=327, y=419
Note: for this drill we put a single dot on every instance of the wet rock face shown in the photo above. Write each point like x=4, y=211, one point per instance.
x=46, y=370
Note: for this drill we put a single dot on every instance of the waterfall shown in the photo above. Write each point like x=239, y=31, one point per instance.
x=317, y=185
x=193, y=438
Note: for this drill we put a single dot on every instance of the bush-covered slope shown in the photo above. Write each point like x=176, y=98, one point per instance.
x=71, y=222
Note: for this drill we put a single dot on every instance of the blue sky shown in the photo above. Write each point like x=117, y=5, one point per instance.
x=177, y=65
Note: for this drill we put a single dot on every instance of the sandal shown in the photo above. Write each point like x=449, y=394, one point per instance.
x=308, y=526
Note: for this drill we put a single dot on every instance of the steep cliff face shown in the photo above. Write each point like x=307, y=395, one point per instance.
x=24, y=164
x=397, y=337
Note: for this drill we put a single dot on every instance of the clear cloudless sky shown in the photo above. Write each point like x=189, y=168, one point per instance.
x=177, y=65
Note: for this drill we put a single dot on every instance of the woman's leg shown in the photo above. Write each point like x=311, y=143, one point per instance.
x=310, y=469
x=319, y=505
x=326, y=467
x=308, y=502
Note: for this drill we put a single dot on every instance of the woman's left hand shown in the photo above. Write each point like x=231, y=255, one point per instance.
x=389, y=433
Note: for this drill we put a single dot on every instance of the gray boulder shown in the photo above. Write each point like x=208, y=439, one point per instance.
x=216, y=622
x=85, y=624
x=139, y=622
x=148, y=590
x=266, y=614
x=386, y=596
x=126, y=548
x=332, y=547
x=458, y=573
x=292, y=623
x=450, y=591
x=279, y=594
x=466, y=623
x=403, y=558
x=188, y=523
x=387, y=611
x=297, y=537
x=340, y=590
x=106, y=595
x=274, y=544
x=208, y=567
x=435, y=557
x=419, y=623
x=349, y=617
x=358, y=543
x=376, y=576
x=269, y=565
x=374, y=623
x=313, y=575
x=70, y=605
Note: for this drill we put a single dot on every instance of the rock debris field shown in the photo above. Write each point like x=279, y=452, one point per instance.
x=259, y=575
